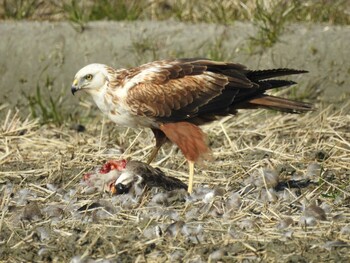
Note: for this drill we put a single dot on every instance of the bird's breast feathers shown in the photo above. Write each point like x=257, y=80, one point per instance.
x=111, y=101
x=124, y=117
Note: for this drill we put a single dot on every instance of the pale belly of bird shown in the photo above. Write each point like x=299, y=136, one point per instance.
x=119, y=113
x=124, y=118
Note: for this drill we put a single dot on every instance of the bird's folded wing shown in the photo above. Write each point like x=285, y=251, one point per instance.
x=176, y=89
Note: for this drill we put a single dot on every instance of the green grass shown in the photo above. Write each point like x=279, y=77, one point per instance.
x=269, y=17
x=323, y=11
x=80, y=12
x=222, y=12
x=145, y=48
x=270, y=22
x=76, y=13
x=216, y=51
x=20, y=9
x=48, y=109
x=116, y=10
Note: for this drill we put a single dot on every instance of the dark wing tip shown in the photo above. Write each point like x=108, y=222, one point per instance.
x=256, y=75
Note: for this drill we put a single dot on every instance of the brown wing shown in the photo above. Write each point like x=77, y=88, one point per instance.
x=198, y=90
x=175, y=90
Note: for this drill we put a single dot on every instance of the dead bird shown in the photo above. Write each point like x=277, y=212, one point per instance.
x=122, y=176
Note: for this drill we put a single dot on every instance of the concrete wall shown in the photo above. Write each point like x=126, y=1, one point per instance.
x=34, y=53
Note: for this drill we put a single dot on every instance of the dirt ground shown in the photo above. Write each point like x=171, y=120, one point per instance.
x=276, y=190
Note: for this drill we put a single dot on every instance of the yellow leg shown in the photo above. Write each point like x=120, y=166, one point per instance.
x=153, y=154
x=190, y=182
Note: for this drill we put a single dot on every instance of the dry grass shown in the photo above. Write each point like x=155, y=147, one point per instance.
x=235, y=213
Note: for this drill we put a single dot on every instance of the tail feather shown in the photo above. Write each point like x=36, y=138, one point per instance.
x=272, y=73
x=280, y=104
x=274, y=83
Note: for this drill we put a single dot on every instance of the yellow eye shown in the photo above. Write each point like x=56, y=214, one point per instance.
x=88, y=77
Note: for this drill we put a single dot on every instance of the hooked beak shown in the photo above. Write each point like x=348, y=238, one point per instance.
x=74, y=87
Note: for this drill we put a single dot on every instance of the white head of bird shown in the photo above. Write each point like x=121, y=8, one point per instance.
x=90, y=78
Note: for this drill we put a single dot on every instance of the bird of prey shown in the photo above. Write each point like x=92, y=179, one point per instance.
x=173, y=97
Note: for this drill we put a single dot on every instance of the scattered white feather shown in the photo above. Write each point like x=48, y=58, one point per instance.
x=77, y=259
x=336, y=243
x=97, y=182
x=160, y=199
x=339, y=217
x=153, y=232
x=326, y=207
x=311, y=214
x=199, y=194
x=315, y=211
x=307, y=221
x=268, y=195
x=43, y=233
x=164, y=213
x=313, y=171
x=52, y=187
x=345, y=230
x=192, y=213
x=88, y=190
x=54, y=212
x=263, y=178
x=177, y=256
x=194, y=234
x=247, y=223
x=209, y=197
x=32, y=212
x=233, y=202
x=70, y=196
x=127, y=201
x=197, y=259
x=102, y=214
x=216, y=255
x=42, y=252
x=112, y=152
x=285, y=223
x=23, y=196
x=288, y=234
x=216, y=209
x=177, y=195
x=235, y=234
x=287, y=195
x=174, y=229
